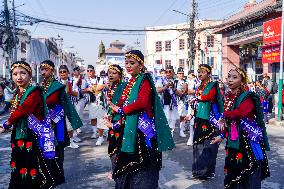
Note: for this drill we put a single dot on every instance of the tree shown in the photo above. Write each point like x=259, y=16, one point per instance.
x=102, y=50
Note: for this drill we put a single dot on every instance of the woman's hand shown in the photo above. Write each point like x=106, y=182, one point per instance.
x=216, y=140
x=107, y=122
x=188, y=117
x=221, y=124
x=113, y=107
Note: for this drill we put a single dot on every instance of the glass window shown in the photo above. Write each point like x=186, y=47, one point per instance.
x=167, y=45
x=158, y=46
x=168, y=63
x=210, y=41
x=181, y=63
x=181, y=44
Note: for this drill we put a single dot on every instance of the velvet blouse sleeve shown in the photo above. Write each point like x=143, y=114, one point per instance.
x=210, y=96
x=144, y=96
x=27, y=108
x=242, y=111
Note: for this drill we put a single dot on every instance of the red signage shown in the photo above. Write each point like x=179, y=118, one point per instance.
x=271, y=54
x=272, y=31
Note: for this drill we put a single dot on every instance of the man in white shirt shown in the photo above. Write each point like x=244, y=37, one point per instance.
x=192, y=86
x=165, y=87
x=97, y=110
x=181, y=86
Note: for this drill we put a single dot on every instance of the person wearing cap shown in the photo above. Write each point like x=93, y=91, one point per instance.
x=93, y=88
x=191, y=88
x=28, y=164
x=165, y=87
x=209, y=102
x=58, y=100
x=145, y=132
x=8, y=95
x=72, y=92
x=181, y=86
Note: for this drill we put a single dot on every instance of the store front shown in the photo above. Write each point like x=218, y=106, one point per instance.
x=242, y=39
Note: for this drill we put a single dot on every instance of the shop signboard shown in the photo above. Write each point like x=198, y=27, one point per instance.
x=272, y=31
x=271, y=54
x=114, y=59
x=245, y=31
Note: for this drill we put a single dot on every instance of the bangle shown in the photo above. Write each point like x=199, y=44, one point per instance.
x=120, y=111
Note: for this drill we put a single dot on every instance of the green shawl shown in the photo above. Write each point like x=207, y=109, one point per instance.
x=204, y=107
x=116, y=97
x=21, y=125
x=258, y=117
x=164, y=137
x=68, y=107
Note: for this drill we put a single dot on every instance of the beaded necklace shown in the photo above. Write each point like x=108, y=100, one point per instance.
x=17, y=98
x=111, y=91
x=230, y=101
x=127, y=89
x=201, y=88
x=46, y=85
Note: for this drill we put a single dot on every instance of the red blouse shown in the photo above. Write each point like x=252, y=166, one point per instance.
x=32, y=105
x=245, y=109
x=143, y=102
x=53, y=99
x=210, y=96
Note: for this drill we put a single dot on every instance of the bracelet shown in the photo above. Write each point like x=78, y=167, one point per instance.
x=222, y=136
x=5, y=125
x=120, y=111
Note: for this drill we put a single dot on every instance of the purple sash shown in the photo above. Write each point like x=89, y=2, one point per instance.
x=213, y=120
x=253, y=130
x=146, y=125
x=45, y=135
x=57, y=116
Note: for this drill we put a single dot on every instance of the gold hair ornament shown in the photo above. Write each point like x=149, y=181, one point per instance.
x=47, y=66
x=21, y=65
x=129, y=55
x=205, y=68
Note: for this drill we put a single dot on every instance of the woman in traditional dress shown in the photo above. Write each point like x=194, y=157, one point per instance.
x=246, y=162
x=145, y=132
x=114, y=92
x=28, y=166
x=209, y=100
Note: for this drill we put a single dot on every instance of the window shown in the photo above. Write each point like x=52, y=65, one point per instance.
x=167, y=45
x=210, y=61
x=158, y=61
x=158, y=46
x=181, y=63
x=210, y=41
x=181, y=44
x=168, y=63
x=23, y=59
x=23, y=47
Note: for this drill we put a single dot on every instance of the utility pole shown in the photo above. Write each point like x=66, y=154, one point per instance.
x=191, y=36
x=281, y=68
x=14, y=32
x=8, y=42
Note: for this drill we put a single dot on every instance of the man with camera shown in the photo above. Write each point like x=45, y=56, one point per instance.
x=165, y=87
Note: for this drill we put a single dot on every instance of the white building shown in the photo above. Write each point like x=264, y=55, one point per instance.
x=170, y=47
x=22, y=47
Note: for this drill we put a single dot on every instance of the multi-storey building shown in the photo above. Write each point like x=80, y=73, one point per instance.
x=170, y=47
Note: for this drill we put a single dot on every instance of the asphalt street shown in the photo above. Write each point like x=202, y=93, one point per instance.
x=88, y=166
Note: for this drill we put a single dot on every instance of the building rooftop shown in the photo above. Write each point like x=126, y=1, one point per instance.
x=117, y=42
x=114, y=50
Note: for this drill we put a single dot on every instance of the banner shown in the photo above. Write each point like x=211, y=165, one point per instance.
x=271, y=54
x=272, y=31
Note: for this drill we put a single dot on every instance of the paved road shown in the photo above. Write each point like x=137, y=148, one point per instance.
x=88, y=166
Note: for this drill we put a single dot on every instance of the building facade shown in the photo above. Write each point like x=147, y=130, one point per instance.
x=170, y=47
x=242, y=39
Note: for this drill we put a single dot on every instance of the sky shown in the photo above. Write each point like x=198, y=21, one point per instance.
x=123, y=14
